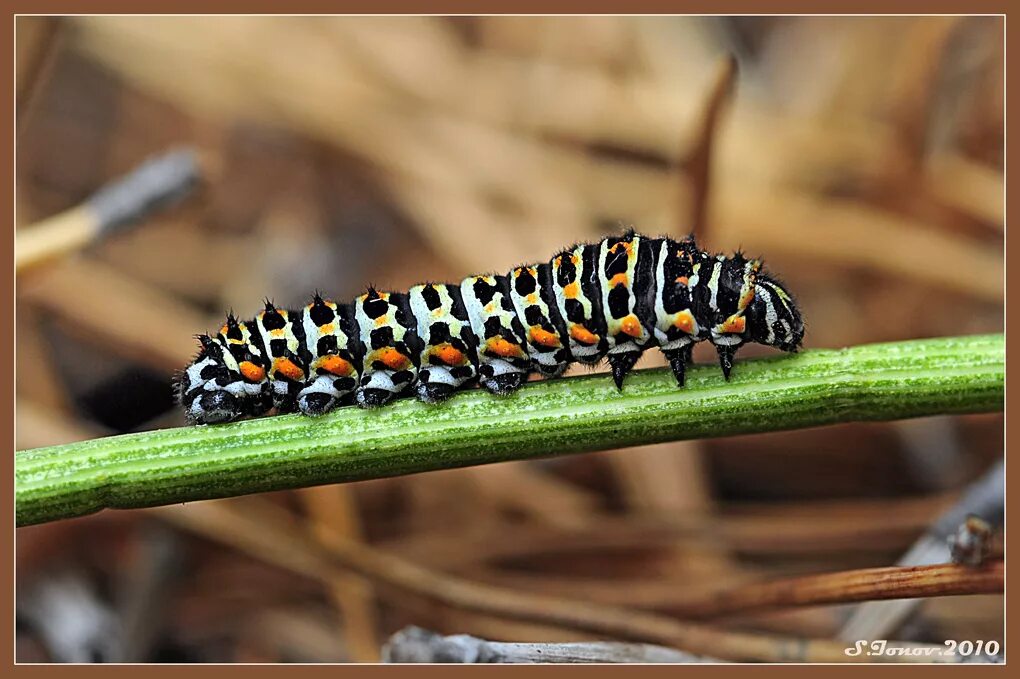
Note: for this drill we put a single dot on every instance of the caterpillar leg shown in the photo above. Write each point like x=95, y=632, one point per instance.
x=438, y=383
x=317, y=403
x=212, y=407
x=434, y=392
x=285, y=394
x=726, y=354
x=502, y=378
x=622, y=363
x=678, y=360
x=324, y=394
x=551, y=372
x=382, y=386
x=373, y=398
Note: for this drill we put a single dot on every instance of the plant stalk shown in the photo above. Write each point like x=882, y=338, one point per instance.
x=579, y=414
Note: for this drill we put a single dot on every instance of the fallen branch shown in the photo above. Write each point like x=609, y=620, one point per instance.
x=417, y=645
x=581, y=414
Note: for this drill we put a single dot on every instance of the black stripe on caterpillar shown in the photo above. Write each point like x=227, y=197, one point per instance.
x=612, y=299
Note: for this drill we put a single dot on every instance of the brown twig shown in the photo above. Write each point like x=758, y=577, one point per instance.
x=333, y=509
x=916, y=76
x=983, y=497
x=866, y=584
x=259, y=528
x=551, y=500
x=38, y=44
x=793, y=529
x=698, y=161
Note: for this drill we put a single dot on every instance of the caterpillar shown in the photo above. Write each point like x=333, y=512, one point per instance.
x=612, y=299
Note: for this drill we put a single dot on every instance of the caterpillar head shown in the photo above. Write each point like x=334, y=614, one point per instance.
x=752, y=307
x=227, y=379
x=773, y=316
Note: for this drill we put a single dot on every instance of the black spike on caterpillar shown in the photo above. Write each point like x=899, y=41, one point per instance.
x=612, y=299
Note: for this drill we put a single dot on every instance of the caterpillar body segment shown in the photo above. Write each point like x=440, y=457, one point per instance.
x=332, y=372
x=503, y=360
x=388, y=344
x=675, y=326
x=609, y=300
x=243, y=358
x=530, y=290
x=579, y=302
x=624, y=273
x=283, y=341
x=448, y=358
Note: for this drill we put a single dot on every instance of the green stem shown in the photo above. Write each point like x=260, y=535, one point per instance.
x=872, y=382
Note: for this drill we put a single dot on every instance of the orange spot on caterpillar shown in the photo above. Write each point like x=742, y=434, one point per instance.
x=287, y=368
x=682, y=280
x=501, y=347
x=746, y=298
x=449, y=354
x=543, y=337
x=685, y=321
x=276, y=333
x=583, y=335
x=252, y=372
x=750, y=281
x=393, y=359
x=632, y=326
x=335, y=365
x=572, y=290
x=575, y=260
x=532, y=298
x=381, y=321
x=618, y=279
x=734, y=324
x=327, y=329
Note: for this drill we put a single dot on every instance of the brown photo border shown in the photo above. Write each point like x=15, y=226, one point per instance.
x=432, y=7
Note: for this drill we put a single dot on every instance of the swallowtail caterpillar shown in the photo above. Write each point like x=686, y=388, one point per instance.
x=612, y=299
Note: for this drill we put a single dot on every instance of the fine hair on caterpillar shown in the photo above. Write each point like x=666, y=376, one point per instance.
x=612, y=299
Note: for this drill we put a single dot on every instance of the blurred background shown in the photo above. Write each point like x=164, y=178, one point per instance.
x=862, y=157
